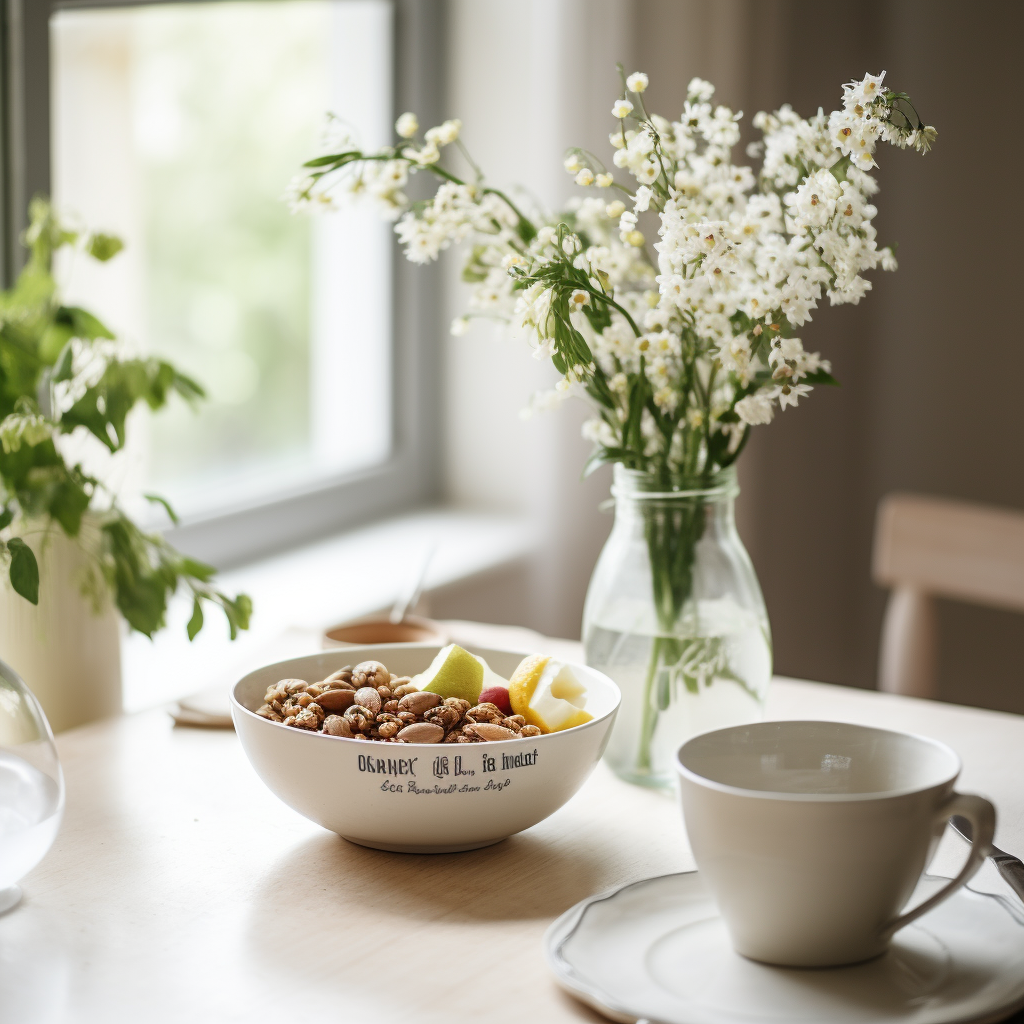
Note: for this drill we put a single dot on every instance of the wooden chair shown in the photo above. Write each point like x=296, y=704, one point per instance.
x=927, y=547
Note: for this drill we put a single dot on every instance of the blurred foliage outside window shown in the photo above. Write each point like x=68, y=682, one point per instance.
x=178, y=126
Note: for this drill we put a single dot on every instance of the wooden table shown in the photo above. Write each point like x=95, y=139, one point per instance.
x=180, y=889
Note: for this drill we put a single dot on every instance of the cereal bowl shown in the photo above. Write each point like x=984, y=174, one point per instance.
x=418, y=797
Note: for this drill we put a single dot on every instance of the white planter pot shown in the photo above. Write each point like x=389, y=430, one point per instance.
x=69, y=655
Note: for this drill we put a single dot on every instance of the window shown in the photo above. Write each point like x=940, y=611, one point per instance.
x=178, y=126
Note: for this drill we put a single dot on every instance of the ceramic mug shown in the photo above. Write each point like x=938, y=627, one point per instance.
x=812, y=835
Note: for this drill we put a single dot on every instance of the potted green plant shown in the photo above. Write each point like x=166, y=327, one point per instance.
x=76, y=561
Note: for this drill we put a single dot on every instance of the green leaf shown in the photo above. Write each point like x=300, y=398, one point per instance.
x=103, y=408
x=85, y=325
x=103, y=247
x=157, y=500
x=6, y=517
x=819, y=377
x=601, y=455
x=24, y=570
x=68, y=505
x=53, y=341
x=197, y=570
x=64, y=367
x=196, y=622
x=237, y=612
x=187, y=388
x=335, y=158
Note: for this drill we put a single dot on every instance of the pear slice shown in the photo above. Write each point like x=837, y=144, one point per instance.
x=454, y=672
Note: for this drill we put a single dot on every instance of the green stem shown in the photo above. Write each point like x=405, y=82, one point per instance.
x=672, y=533
x=611, y=302
x=650, y=716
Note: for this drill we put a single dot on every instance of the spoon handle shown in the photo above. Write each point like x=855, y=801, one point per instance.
x=1012, y=871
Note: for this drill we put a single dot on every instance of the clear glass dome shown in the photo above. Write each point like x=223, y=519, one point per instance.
x=31, y=785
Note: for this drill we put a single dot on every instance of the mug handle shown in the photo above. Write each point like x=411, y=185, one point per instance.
x=982, y=816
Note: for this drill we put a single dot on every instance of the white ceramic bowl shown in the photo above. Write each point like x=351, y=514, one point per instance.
x=418, y=797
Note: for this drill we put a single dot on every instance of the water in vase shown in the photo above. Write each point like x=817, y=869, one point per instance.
x=30, y=813
x=710, y=677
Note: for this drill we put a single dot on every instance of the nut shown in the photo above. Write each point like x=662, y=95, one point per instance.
x=419, y=701
x=421, y=732
x=336, y=701
x=368, y=703
x=369, y=698
x=335, y=725
x=371, y=673
x=487, y=731
x=359, y=718
x=444, y=716
x=309, y=717
x=485, y=713
x=336, y=684
x=462, y=706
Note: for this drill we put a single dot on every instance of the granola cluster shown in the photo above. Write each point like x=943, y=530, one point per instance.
x=366, y=702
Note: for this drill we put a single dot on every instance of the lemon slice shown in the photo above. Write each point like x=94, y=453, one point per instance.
x=547, y=694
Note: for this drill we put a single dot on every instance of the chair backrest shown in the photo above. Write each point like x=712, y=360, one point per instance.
x=951, y=549
x=928, y=547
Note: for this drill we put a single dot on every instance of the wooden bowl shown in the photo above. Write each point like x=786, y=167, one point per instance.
x=376, y=630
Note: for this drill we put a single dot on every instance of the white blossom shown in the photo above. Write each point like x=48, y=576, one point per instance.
x=743, y=259
x=407, y=125
x=755, y=409
x=637, y=82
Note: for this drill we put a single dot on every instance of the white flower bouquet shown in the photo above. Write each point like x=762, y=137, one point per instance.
x=682, y=354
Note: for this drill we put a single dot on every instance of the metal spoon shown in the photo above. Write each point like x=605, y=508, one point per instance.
x=1010, y=867
x=408, y=598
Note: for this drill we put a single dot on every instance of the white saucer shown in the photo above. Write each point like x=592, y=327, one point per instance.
x=657, y=951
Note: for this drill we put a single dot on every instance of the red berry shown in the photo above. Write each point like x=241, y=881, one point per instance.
x=498, y=696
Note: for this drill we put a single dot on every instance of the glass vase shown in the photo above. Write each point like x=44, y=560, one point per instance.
x=31, y=785
x=674, y=614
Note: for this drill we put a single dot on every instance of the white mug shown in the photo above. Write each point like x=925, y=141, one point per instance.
x=812, y=835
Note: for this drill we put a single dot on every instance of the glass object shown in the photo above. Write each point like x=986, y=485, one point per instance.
x=675, y=616
x=178, y=127
x=31, y=785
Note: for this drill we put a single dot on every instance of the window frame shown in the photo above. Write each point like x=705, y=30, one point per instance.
x=410, y=476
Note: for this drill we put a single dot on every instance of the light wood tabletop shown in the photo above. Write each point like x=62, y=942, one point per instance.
x=181, y=889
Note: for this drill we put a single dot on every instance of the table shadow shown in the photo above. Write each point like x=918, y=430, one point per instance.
x=521, y=878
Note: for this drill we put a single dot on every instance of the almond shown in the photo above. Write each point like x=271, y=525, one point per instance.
x=335, y=725
x=369, y=698
x=419, y=701
x=421, y=732
x=487, y=731
x=336, y=701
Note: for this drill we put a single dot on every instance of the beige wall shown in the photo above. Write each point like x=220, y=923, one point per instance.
x=930, y=363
